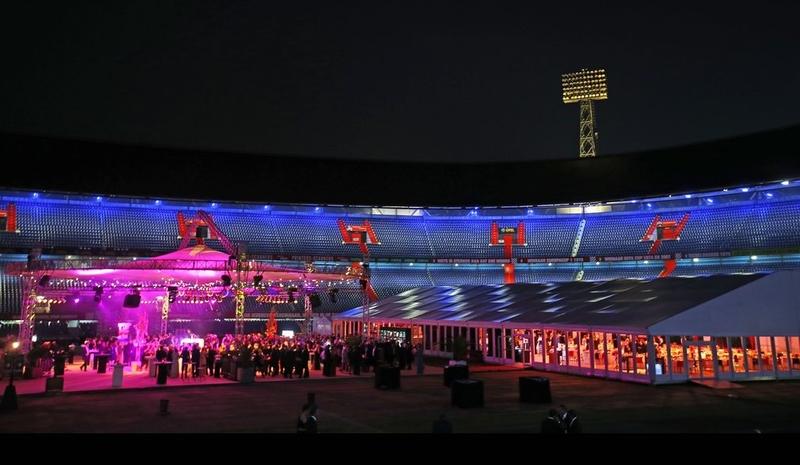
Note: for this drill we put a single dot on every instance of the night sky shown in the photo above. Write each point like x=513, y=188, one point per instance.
x=428, y=81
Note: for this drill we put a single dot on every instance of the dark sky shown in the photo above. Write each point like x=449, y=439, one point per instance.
x=436, y=81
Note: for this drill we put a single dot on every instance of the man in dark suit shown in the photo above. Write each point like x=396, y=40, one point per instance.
x=195, y=361
x=304, y=356
x=211, y=356
x=287, y=361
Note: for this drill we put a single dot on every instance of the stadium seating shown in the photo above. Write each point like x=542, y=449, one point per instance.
x=745, y=228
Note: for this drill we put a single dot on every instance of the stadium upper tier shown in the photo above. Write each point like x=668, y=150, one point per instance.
x=764, y=218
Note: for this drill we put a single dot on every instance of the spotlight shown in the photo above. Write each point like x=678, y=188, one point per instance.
x=226, y=280
x=44, y=280
x=98, y=293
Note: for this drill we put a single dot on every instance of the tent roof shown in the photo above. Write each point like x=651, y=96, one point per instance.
x=622, y=303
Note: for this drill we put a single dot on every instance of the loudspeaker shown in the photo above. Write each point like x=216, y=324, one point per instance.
x=202, y=232
x=132, y=301
x=173, y=293
x=315, y=300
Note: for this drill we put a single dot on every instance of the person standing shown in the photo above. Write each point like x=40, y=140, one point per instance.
x=211, y=356
x=304, y=358
x=195, y=361
x=419, y=359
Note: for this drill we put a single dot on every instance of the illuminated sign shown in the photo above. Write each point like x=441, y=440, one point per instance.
x=395, y=334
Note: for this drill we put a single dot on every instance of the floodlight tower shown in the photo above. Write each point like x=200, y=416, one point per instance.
x=584, y=87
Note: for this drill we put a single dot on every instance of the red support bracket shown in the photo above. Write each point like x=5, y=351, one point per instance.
x=10, y=214
x=669, y=267
x=494, y=234
x=509, y=276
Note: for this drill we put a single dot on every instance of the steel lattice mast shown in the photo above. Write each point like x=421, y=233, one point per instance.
x=584, y=87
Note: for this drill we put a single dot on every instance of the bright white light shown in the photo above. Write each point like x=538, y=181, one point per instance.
x=688, y=196
x=769, y=195
x=550, y=264
x=36, y=194
x=35, y=338
x=649, y=205
x=76, y=300
x=710, y=200
x=158, y=202
x=753, y=257
x=214, y=205
x=784, y=183
x=410, y=264
x=745, y=189
x=695, y=260
x=99, y=198
x=724, y=190
x=456, y=264
x=15, y=345
x=287, y=333
x=646, y=262
x=596, y=263
x=266, y=207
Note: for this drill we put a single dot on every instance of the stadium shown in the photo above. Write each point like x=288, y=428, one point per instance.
x=627, y=271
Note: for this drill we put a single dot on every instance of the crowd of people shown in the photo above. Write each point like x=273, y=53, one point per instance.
x=273, y=356
x=269, y=355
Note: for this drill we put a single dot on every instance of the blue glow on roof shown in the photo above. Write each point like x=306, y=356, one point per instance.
x=509, y=317
x=553, y=309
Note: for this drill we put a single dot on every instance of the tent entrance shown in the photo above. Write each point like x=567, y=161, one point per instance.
x=701, y=359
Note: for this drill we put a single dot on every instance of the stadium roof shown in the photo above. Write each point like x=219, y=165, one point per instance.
x=46, y=163
x=713, y=305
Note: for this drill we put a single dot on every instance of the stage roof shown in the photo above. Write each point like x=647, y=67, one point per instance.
x=115, y=169
x=668, y=306
x=198, y=265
